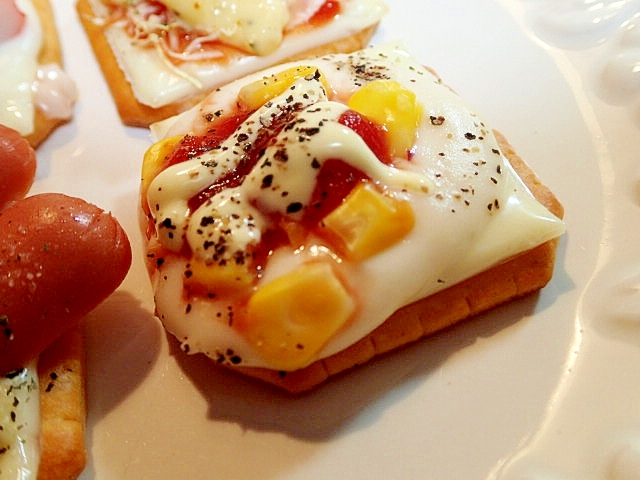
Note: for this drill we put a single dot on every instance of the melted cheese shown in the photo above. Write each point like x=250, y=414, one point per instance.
x=25, y=85
x=54, y=92
x=253, y=26
x=157, y=82
x=471, y=210
x=172, y=189
x=19, y=425
x=19, y=64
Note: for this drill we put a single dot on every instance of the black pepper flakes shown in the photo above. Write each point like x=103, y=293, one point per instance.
x=294, y=207
x=267, y=181
x=4, y=325
x=281, y=155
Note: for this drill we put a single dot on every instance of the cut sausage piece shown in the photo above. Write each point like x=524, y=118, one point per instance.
x=59, y=258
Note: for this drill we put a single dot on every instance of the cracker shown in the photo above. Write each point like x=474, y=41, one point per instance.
x=50, y=52
x=136, y=114
x=517, y=277
x=63, y=411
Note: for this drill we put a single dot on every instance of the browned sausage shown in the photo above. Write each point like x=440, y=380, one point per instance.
x=59, y=258
x=17, y=166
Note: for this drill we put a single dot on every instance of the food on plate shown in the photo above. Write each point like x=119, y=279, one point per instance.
x=17, y=168
x=59, y=258
x=36, y=95
x=306, y=218
x=160, y=57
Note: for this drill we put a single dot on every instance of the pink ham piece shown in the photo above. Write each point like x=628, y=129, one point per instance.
x=300, y=11
x=11, y=20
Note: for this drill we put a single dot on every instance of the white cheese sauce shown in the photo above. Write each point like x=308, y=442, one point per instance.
x=255, y=26
x=25, y=85
x=20, y=424
x=19, y=64
x=472, y=211
x=156, y=82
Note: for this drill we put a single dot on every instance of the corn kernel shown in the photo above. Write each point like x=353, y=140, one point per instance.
x=368, y=222
x=215, y=277
x=291, y=318
x=256, y=94
x=392, y=106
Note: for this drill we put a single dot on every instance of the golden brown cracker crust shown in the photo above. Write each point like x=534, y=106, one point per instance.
x=521, y=275
x=63, y=410
x=50, y=52
x=136, y=114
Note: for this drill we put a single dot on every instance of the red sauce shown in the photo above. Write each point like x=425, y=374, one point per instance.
x=335, y=181
x=374, y=135
x=271, y=240
x=252, y=152
x=325, y=13
x=194, y=145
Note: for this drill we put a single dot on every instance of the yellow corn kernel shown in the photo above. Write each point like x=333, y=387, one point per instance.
x=368, y=222
x=392, y=106
x=153, y=161
x=215, y=277
x=256, y=94
x=291, y=318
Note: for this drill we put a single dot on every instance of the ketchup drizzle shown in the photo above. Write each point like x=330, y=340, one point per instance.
x=326, y=13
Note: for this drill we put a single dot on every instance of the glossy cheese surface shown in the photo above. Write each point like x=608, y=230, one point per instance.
x=19, y=64
x=255, y=26
x=470, y=211
x=25, y=84
x=157, y=81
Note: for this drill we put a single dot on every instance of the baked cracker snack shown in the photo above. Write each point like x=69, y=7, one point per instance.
x=34, y=47
x=60, y=257
x=43, y=413
x=314, y=215
x=161, y=58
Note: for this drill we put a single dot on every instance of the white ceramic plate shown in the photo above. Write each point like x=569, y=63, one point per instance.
x=544, y=388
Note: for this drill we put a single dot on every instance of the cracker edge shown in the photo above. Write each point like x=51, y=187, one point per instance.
x=63, y=408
